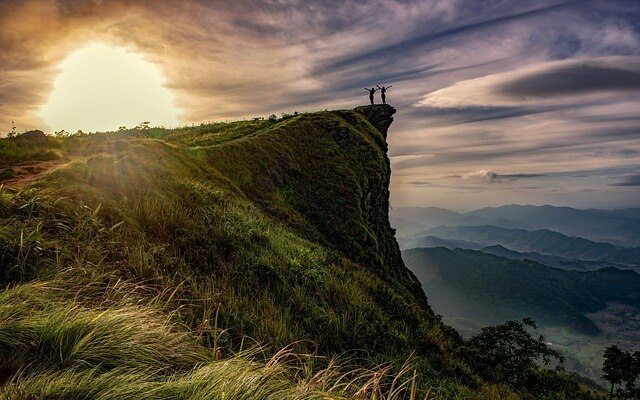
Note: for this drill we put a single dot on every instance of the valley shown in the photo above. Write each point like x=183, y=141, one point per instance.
x=585, y=294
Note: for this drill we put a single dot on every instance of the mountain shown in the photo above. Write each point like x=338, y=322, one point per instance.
x=552, y=261
x=405, y=227
x=618, y=227
x=433, y=241
x=580, y=313
x=541, y=241
x=631, y=213
x=614, y=227
x=429, y=217
x=426, y=215
x=489, y=289
x=145, y=263
x=225, y=260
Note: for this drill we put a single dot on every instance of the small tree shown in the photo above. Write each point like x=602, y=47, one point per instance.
x=13, y=130
x=621, y=367
x=508, y=353
x=143, y=126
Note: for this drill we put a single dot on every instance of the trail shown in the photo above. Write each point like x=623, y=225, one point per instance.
x=24, y=173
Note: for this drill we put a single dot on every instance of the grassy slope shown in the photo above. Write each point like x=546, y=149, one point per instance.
x=255, y=227
x=140, y=265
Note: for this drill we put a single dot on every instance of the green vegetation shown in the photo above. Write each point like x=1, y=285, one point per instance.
x=177, y=264
x=622, y=367
x=508, y=353
x=493, y=289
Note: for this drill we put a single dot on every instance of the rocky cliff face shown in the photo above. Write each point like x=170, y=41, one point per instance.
x=332, y=169
x=379, y=115
x=375, y=203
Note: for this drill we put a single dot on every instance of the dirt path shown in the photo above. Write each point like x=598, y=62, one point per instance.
x=22, y=174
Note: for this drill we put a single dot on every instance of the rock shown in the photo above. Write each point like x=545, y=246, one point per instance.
x=34, y=136
x=340, y=133
x=379, y=115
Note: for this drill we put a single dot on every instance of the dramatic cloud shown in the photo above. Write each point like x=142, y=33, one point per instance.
x=488, y=176
x=580, y=78
x=629, y=180
x=543, y=84
x=540, y=87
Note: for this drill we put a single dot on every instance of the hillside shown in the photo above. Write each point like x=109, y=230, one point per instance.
x=155, y=263
x=215, y=236
x=580, y=312
x=490, y=289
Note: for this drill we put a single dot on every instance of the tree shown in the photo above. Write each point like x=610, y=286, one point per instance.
x=508, y=353
x=143, y=126
x=621, y=367
x=13, y=130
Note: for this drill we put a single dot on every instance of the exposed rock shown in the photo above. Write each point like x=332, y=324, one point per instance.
x=35, y=136
x=379, y=115
x=340, y=133
x=375, y=205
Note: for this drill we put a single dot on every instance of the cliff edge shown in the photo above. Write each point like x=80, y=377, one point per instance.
x=178, y=244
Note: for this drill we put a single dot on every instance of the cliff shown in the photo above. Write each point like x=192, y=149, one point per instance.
x=275, y=230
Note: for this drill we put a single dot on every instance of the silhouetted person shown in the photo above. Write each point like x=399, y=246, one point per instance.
x=371, y=92
x=383, y=91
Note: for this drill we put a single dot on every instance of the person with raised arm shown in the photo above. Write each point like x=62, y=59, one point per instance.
x=383, y=91
x=371, y=92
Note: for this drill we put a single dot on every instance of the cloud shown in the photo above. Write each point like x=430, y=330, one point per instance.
x=578, y=78
x=483, y=175
x=629, y=180
x=511, y=86
x=543, y=84
x=489, y=176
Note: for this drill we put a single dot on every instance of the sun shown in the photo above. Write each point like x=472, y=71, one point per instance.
x=102, y=87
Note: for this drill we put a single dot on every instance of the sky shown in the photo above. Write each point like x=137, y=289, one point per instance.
x=499, y=102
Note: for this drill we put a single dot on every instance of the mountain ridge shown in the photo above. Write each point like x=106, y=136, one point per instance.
x=618, y=227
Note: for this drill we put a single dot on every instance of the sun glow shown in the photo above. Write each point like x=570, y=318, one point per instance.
x=102, y=88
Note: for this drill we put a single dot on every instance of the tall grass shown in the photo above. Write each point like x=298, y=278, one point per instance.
x=54, y=347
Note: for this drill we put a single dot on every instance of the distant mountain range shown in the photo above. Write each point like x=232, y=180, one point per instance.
x=552, y=261
x=574, y=271
x=541, y=241
x=618, y=227
x=490, y=289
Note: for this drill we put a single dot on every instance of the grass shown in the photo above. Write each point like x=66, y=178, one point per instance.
x=53, y=347
x=179, y=263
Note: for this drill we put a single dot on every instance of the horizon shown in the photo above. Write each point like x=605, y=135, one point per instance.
x=465, y=211
x=497, y=103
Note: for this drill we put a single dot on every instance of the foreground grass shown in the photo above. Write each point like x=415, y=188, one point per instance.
x=52, y=347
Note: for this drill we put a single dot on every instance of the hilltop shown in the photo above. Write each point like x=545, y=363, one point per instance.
x=148, y=263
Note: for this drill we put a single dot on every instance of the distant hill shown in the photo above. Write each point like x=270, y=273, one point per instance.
x=433, y=241
x=596, y=225
x=632, y=213
x=490, y=289
x=541, y=241
x=552, y=261
x=405, y=228
x=619, y=227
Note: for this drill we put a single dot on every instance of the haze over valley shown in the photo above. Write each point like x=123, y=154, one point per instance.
x=574, y=271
